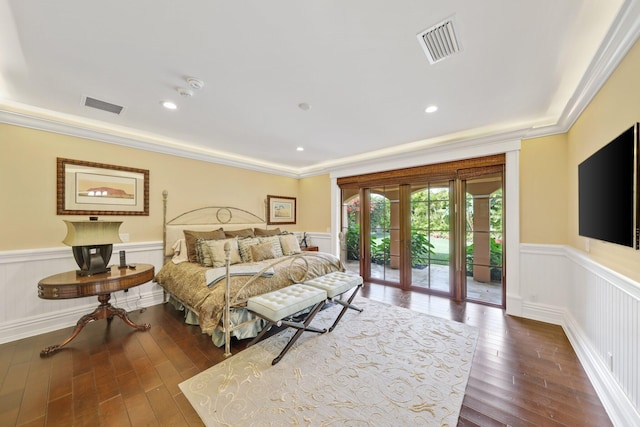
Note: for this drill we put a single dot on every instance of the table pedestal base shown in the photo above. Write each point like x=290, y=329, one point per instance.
x=104, y=311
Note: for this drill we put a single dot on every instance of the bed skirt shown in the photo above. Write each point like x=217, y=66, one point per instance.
x=238, y=316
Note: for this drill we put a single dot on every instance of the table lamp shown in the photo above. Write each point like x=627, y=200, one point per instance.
x=92, y=243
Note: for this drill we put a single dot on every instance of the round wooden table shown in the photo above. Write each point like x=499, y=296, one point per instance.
x=70, y=285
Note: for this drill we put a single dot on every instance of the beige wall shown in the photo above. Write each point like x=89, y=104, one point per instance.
x=315, y=203
x=28, y=179
x=548, y=180
x=543, y=190
x=549, y=170
x=613, y=110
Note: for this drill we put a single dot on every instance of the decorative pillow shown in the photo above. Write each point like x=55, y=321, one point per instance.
x=264, y=232
x=217, y=254
x=245, y=232
x=289, y=243
x=203, y=256
x=262, y=251
x=190, y=238
x=244, y=245
x=275, y=241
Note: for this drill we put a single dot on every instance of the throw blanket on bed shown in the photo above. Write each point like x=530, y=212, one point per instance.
x=215, y=275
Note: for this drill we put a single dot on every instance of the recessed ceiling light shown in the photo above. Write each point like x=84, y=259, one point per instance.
x=169, y=105
x=300, y=149
x=431, y=109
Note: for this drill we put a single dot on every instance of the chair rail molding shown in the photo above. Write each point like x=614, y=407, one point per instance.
x=598, y=308
x=23, y=314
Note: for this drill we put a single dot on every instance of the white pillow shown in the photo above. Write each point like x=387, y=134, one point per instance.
x=289, y=243
x=218, y=256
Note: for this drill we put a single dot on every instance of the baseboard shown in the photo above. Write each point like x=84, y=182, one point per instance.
x=52, y=321
x=514, y=305
x=617, y=404
x=546, y=295
x=543, y=313
x=563, y=286
x=23, y=314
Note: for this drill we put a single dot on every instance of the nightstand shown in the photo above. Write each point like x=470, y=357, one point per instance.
x=70, y=285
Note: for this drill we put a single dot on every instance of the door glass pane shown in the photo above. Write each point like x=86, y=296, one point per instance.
x=484, y=238
x=350, y=230
x=384, y=220
x=430, y=236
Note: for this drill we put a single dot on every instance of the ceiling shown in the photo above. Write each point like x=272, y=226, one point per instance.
x=524, y=68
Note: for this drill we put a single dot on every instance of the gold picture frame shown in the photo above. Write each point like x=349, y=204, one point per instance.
x=281, y=210
x=88, y=188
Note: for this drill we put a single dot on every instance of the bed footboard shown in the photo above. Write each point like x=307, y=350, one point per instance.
x=296, y=275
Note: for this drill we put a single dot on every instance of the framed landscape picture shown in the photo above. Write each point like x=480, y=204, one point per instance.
x=281, y=210
x=87, y=188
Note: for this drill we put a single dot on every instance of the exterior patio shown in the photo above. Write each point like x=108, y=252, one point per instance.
x=437, y=277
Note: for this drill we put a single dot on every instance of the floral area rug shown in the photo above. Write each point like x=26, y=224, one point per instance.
x=386, y=366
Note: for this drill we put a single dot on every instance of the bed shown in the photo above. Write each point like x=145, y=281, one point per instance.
x=216, y=257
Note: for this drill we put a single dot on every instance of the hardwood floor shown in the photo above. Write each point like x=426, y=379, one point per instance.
x=524, y=373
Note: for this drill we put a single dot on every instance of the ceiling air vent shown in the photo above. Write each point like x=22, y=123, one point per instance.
x=439, y=42
x=102, y=105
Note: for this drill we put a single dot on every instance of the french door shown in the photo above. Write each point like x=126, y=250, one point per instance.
x=440, y=236
x=484, y=236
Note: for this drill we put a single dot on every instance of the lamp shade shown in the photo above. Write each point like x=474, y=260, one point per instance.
x=92, y=244
x=91, y=233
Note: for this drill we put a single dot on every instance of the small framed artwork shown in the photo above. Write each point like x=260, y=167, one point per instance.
x=87, y=188
x=281, y=210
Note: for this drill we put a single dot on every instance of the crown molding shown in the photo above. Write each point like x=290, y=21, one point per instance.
x=621, y=37
x=81, y=130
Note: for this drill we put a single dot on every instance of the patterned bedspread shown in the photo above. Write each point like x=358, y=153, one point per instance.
x=186, y=282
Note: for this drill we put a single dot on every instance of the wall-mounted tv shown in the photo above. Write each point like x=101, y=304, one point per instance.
x=608, y=191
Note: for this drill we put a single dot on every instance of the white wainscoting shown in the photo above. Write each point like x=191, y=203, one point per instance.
x=599, y=311
x=321, y=240
x=23, y=314
x=598, y=308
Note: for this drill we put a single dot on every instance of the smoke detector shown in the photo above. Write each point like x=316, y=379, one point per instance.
x=439, y=42
x=195, y=83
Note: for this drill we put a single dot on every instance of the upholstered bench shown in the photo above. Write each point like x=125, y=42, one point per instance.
x=277, y=307
x=336, y=284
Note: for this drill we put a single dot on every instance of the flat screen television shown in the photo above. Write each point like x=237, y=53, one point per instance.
x=608, y=191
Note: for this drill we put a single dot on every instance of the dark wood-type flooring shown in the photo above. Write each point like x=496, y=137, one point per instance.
x=524, y=373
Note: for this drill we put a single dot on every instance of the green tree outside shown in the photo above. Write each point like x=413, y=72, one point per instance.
x=430, y=219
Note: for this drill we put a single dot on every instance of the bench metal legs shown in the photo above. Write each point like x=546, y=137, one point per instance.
x=345, y=306
x=300, y=326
